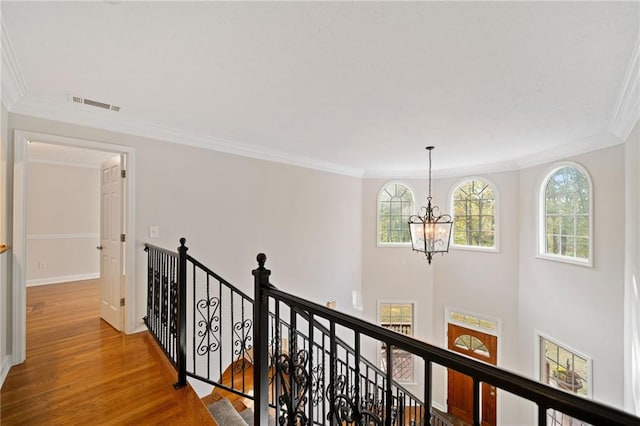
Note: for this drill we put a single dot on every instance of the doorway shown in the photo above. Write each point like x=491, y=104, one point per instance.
x=21, y=140
x=480, y=346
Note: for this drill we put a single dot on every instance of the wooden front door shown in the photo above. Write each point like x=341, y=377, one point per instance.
x=481, y=346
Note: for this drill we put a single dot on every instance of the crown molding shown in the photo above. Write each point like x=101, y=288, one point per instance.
x=627, y=110
x=496, y=167
x=112, y=121
x=563, y=152
x=13, y=84
x=116, y=122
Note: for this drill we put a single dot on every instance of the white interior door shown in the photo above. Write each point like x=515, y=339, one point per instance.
x=111, y=245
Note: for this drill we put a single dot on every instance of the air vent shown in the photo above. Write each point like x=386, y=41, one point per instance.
x=91, y=102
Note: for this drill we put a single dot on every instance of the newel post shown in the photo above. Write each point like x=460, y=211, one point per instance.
x=182, y=315
x=261, y=343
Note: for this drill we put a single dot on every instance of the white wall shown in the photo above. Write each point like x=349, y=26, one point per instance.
x=576, y=305
x=397, y=273
x=394, y=273
x=632, y=274
x=63, y=223
x=484, y=283
x=230, y=208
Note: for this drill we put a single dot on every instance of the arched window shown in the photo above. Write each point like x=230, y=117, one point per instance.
x=474, y=214
x=395, y=205
x=565, y=215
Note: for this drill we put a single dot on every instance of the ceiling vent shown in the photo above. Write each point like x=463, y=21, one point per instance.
x=85, y=101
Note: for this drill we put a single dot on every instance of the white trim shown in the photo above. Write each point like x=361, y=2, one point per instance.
x=13, y=83
x=564, y=259
x=62, y=279
x=557, y=153
x=7, y=362
x=61, y=236
x=439, y=406
x=627, y=110
x=20, y=183
x=447, y=316
x=401, y=245
x=504, y=166
x=473, y=248
x=579, y=147
x=65, y=164
x=413, y=210
x=496, y=216
x=541, y=221
x=537, y=356
x=21, y=139
x=99, y=119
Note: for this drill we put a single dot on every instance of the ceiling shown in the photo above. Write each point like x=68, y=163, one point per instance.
x=358, y=88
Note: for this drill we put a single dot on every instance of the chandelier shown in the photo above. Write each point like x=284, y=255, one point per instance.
x=430, y=234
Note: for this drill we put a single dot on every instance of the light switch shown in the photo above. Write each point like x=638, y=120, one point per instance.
x=154, y=232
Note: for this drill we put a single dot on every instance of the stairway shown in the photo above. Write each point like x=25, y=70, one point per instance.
x=329, y=375
x=229, y=408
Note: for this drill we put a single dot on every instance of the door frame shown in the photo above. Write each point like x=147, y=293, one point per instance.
x=20, y=168
x=497, y=332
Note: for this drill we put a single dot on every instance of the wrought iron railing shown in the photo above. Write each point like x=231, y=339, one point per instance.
x=218, y=331
x=286, y=339
x=307, y=362
x=347, y=400
x=202, y=326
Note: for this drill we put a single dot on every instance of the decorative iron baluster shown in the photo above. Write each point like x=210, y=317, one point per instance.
x=173, y=325
x=149, y=291
x=243, y=332
x=345, y=408
x=156, y=299
x=317, y=384
x=208, y=326
x=164, y=314
x=292, y=401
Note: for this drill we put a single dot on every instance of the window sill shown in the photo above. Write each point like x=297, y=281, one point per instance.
x=476, y=248
x=403, y=245
x=564, y=259
x=406, y=383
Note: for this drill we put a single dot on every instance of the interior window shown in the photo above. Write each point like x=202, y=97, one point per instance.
x=399, y=318
x=395, y=205
x=565, y=215
x=474, y=214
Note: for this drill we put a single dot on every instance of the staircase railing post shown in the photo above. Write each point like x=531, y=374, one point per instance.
x=182, y=315
x=261, y=343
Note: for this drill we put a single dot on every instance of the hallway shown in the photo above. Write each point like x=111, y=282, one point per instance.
x=79, y=370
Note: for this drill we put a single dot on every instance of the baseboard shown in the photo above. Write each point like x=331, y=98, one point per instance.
x=439, y=407
x=4, y=370
x=63, y=279
x=139, y=329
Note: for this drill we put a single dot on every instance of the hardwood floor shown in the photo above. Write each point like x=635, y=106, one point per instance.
x=80, y=371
